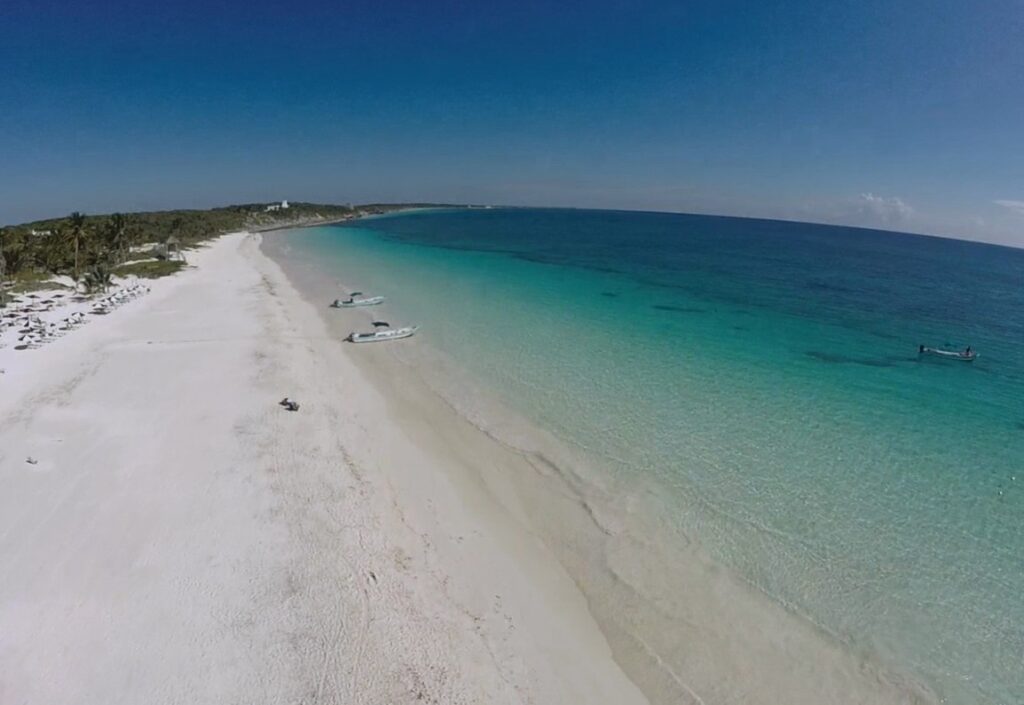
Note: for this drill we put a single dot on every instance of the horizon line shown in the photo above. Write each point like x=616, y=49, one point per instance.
x=438, y=204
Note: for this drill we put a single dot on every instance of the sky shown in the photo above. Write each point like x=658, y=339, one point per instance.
x=902, y=114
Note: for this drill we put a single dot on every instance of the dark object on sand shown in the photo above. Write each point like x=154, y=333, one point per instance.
x=289, y=404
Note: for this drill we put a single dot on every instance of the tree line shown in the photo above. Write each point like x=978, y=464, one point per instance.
x=89, y=248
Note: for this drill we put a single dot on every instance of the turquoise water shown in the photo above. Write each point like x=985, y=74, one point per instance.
x=765, y=376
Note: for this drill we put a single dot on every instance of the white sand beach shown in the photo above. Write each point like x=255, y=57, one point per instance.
x=181, y=538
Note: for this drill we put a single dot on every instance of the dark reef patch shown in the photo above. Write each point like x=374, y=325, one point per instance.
x=836, y=359
x=822, y=285
x=679, y=309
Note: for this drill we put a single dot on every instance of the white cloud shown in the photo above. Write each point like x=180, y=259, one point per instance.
x=888, y=211
x=1015, y=206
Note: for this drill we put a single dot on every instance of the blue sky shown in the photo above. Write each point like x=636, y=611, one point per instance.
x=902, y=115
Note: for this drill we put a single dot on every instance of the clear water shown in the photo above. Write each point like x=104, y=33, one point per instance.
x=766, y=376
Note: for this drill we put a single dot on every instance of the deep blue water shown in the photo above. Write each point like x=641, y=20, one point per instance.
x=871, y=280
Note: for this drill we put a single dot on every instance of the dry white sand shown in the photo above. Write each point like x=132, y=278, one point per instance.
x=183, y=539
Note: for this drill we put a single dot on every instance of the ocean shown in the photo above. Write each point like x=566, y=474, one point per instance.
x=761, y=380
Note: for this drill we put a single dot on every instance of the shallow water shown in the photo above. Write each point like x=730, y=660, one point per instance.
x=764, y=377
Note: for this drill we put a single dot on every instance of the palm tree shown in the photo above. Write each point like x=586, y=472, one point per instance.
x=3, y=267
x=77, y=233
x=97, y=278
x=13, y=250
x=19, y=251
x=52, y=251
x=118, y=236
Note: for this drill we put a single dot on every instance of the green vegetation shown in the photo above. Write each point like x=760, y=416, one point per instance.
x=25, y=287
x=28, y=281
x=89, y=247
x=150, y=269
x=27, y=278
x=98, y=278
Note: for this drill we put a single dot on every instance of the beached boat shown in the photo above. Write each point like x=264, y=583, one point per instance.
x=962, y=355
x=381, y=335
x=353, y=301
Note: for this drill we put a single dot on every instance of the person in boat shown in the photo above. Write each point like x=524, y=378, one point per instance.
x=920, y=348
x=967, y=352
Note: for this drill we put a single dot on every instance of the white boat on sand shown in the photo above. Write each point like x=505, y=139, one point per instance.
x=382, y=335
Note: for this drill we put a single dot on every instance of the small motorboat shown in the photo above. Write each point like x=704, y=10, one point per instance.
x=381, y=335
x=353, y=301
x=967, y=355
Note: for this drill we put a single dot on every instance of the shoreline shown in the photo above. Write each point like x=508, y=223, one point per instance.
x=751, y=649
x=185, y=539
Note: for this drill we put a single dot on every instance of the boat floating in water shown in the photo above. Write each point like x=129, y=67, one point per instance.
x=966, y=355
x=353, y=301
x=382, y=335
